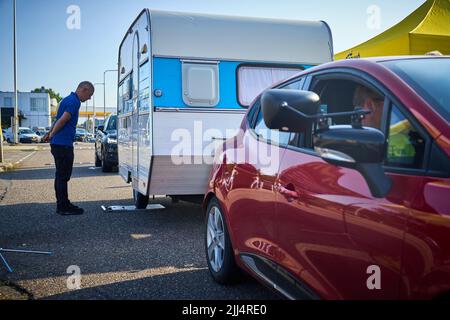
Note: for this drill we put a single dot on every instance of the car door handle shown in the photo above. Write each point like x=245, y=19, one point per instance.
x=289, y=192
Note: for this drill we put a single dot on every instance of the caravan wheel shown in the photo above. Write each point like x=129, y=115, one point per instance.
x=140, y=201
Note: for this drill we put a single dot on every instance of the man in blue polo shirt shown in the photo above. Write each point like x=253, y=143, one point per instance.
x=62, y=136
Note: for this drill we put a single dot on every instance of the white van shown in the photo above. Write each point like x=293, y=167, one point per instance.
x=192, y=76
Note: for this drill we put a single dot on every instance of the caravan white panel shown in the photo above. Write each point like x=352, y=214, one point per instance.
x=219, y=37
x=186, y=179
x=199, y=128
x=197, y=135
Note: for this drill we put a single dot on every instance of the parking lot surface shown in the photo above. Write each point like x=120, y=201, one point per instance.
x=120, y=255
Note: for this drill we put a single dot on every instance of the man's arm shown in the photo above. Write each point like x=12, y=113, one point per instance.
x=58, y=125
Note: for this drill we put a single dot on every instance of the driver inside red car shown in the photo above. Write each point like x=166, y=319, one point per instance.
x=400, y=146
x=372, y=101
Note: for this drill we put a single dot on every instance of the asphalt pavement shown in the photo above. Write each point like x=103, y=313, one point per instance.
x=120, y=255
x=14, y=155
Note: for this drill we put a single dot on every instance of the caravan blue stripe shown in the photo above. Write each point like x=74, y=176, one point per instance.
x=167, y=78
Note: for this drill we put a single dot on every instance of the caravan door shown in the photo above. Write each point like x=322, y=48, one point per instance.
x=135, y=113
x=142, y=114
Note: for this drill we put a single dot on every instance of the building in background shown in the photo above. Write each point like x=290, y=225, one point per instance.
x=34, y=109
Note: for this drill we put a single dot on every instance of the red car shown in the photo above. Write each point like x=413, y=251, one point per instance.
x=338, y=184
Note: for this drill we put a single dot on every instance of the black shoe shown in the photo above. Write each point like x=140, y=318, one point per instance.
x=72, y=206
x=70, y=210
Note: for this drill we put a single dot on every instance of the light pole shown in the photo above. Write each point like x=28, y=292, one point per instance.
x=93, y=100
x=1, y=137
x=86, y=126
x=16, y=107
x=104, y=93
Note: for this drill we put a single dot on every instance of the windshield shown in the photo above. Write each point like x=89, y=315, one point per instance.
x=112, y=123
x=81, y=131
x=26, y=131
x=428, y=77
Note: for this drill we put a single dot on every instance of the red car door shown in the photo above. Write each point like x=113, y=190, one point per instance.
x=421, y=200
x=378, y=227
x=426, y=271
x=332, y=228
x=248, y=183
x=311, y=199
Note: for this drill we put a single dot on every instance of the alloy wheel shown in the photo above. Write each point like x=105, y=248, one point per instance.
x=215, y=239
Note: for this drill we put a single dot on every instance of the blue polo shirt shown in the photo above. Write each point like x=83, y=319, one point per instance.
x=66, y=135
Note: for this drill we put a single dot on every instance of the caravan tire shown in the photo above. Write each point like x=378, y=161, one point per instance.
x=140, y=201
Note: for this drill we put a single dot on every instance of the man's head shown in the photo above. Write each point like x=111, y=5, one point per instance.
x=372, y=101
x=85, y=91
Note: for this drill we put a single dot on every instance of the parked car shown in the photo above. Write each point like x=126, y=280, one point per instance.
x=342, y=210
x=81, y=135
x=90, y=137
x=106, y=155
x=25, y=135
x=40, y=132
x=36, y=129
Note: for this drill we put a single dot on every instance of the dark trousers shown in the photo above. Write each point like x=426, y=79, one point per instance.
x=64, y=164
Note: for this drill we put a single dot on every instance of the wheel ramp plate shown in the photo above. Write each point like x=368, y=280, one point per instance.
x=132, y=208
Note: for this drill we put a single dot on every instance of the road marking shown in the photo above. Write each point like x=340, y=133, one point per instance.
x=25, y=158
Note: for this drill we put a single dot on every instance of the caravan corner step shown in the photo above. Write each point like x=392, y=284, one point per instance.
x=132, y=208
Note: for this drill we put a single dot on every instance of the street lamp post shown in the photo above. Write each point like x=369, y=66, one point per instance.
x=16, y=103
x=93, y=100
x=104, y=92
x=1, y=137
x=86, y=127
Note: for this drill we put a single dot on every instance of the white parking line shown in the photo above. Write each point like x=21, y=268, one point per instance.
x=25, y=158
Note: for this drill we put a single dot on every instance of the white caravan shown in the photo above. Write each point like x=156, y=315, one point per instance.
x=186, y=79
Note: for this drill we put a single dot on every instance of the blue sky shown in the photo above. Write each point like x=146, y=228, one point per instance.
x=51, y=55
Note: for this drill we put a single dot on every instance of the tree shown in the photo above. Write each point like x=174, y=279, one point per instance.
x=53, y=94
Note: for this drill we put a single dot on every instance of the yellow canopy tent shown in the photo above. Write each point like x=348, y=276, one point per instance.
x=426, y=29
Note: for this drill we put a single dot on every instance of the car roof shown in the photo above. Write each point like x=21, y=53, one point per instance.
x=393, y=58
x=357, y=63
x=378, y=60
x=373, y=61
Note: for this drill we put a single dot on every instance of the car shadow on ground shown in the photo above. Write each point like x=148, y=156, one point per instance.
x=184, y=285
x=48, y=172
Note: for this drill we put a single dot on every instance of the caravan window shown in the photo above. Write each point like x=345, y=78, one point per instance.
x=252, y=80
x=125, y=61
x=126, y=95
x=120, y=102
x=200, y=84
x=144, y=87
